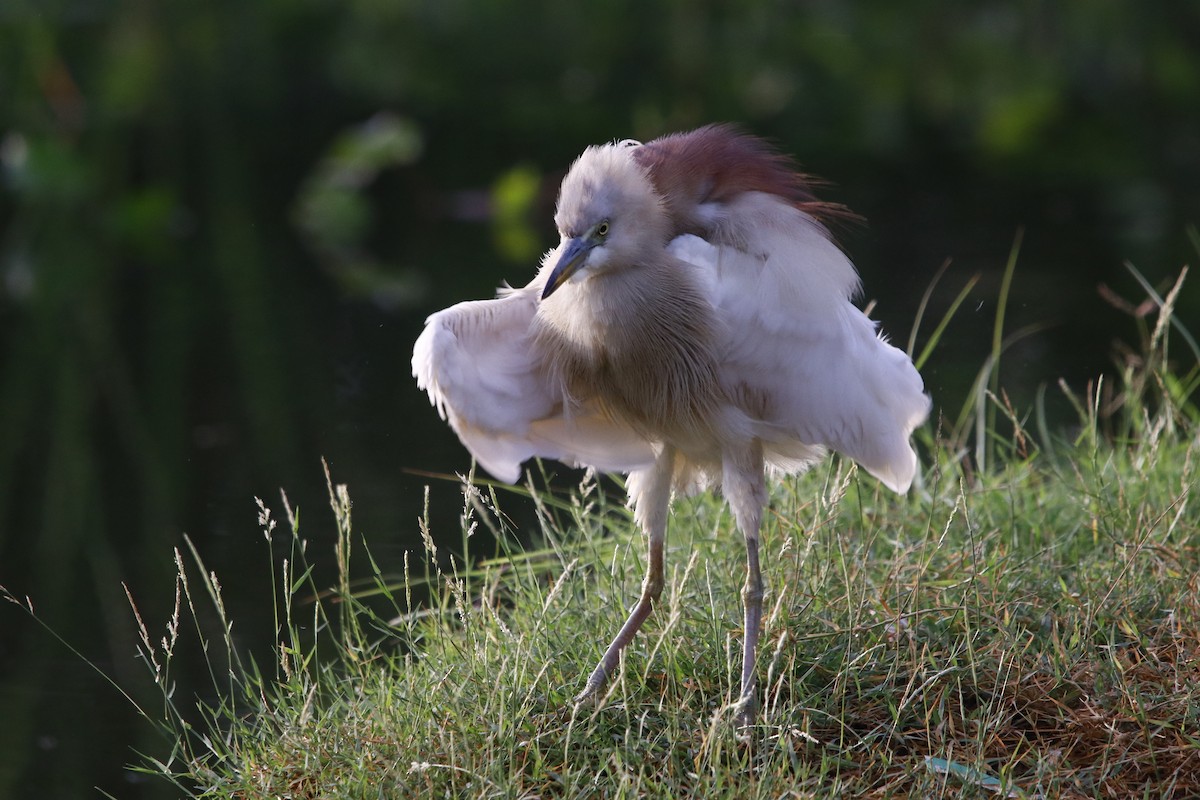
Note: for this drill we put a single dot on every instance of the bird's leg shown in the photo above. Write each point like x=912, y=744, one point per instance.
x=752, y=597
x=651, y=494
x=745, y=489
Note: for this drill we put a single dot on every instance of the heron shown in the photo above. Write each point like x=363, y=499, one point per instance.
x=694, y=328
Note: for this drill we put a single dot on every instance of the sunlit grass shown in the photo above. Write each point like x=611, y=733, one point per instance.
x=1036, y=631
x=1029, y=629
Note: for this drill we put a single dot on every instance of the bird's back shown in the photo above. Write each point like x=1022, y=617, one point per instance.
x=699, y=171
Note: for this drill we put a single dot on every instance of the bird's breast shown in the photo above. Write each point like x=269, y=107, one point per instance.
x=644, y=354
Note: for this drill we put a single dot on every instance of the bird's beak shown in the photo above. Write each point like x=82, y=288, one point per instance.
x=574, y=254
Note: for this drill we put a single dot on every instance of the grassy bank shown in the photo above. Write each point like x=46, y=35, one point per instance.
x=1033, y=631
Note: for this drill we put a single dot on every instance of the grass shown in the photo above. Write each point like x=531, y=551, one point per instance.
x=1031, y=629
x=1035, y=632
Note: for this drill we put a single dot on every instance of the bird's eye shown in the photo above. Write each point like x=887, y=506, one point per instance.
x=602, y=229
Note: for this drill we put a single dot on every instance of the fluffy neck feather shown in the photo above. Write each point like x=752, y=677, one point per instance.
x=639, y=343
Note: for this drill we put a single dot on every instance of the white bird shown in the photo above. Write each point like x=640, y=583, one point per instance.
x=693, y=328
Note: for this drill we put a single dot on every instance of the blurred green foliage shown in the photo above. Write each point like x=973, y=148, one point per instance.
x=222, y=221
x=334, y=214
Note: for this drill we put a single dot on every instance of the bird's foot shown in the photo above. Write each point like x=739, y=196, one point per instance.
x=745, y=711
x=594, y=689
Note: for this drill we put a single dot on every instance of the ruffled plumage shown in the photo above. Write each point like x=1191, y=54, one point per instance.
x=741, y=326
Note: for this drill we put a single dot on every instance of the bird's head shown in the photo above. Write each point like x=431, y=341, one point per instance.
x=609, y=217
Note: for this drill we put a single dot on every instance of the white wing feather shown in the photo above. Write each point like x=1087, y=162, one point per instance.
x=476, y=361
x=813, y=365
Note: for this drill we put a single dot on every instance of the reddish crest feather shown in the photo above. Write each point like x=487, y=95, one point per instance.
x=718, y=162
